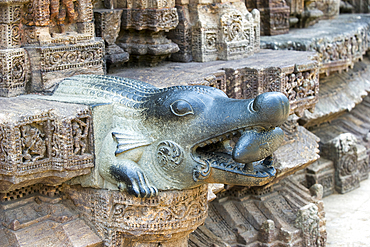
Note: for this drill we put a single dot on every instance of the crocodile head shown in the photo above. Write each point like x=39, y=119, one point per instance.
x=202, y=136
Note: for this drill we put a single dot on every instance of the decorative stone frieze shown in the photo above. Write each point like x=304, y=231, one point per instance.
x=121, y=219
x=337, y=51
x=49, y=143
x=349, y=86
x=52, y=64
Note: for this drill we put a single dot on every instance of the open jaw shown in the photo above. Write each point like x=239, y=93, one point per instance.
x=217, y=153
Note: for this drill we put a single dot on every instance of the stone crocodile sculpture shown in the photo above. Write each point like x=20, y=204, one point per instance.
x=148, y=139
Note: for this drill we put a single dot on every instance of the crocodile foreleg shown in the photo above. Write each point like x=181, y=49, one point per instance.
x=128, y=174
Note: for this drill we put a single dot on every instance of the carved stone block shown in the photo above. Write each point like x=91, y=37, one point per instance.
x=274, y=16
x=342, y=150
x=14, y=71
x=52, y=64
x=10, y=19
x=124, y=220
x=330, y=8
x=51, y=142
x=321, y=172
x=224, y=31
x=182, y=36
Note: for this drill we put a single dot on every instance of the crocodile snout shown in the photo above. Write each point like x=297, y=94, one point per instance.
x=271, y=108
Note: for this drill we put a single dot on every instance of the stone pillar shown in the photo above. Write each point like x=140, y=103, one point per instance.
x=143, y=26
x=14, y=66
x=124, y=220
x=107, y=26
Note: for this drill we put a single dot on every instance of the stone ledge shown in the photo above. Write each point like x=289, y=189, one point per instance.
x=339, y=42
x=348, y=88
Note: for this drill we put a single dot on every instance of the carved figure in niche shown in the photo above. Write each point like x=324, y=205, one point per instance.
x=79, y=131
x=179, y=137
x=60, y=10
x=33, y=145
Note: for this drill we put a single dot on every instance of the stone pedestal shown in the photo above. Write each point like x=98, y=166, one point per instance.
x=124, y=220
x=321, y=172
x=143, y=30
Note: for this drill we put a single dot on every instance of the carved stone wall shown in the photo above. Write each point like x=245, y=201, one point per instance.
x=50, y=143
x=143, y=28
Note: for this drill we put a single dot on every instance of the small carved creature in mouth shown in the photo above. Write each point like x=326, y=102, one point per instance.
x=246, y=151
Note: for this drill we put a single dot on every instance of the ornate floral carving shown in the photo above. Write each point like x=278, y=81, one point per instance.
x=14, y=71
x=62, y=58
x=169, y=155
x=117, y=215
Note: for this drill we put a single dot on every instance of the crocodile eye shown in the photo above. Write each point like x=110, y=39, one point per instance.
x=181, y=108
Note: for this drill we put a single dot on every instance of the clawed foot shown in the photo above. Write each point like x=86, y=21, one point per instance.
x=136, y=182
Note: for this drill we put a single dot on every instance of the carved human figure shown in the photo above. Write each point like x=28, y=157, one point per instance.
x=33, y=145
x=79, y=136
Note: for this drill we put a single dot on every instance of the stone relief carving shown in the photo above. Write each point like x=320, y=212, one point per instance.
x=236, y=153
x=45, y=146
